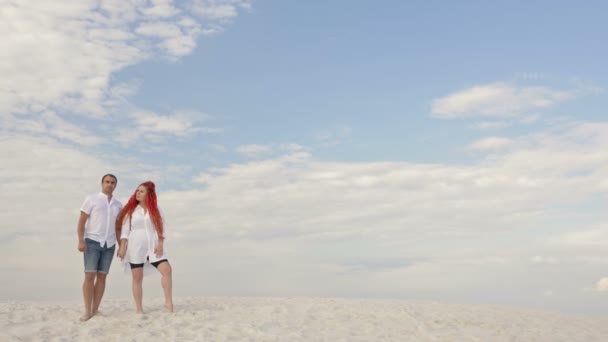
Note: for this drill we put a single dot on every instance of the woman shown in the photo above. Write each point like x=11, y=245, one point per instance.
x=141, y=241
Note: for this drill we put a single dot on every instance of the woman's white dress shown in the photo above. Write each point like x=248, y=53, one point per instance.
x=142, y=240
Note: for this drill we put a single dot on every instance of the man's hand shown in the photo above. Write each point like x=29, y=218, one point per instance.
x=82, y=246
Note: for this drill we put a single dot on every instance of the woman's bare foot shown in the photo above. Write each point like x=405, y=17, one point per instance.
x=169, y=306
x=139, y=312
x=97, y=313
x=85, y=317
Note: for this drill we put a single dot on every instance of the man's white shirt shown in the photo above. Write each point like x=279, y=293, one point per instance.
x=100, y=226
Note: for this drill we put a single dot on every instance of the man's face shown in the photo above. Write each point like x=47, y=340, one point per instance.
x=108, y=185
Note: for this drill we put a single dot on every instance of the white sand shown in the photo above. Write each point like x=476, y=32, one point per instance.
x=294, y=319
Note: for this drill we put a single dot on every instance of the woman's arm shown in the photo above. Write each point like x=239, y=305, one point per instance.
x=122, y=248
x=158, y=251
x=124, y=237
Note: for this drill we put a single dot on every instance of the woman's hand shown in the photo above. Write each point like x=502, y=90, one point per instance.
x=122, y=249
x=121, y=253
x=158, y=251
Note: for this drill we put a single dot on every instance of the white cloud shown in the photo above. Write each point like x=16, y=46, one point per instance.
x=163, y=124
x=48, y=123
x=161, y=8
x=548, y=260
x=40, y=173
x=220, y=9
x=530, y=119
x=40, y=38
x=62, y=129
x=349, y=199
x=592, y=238
x=53, y=178
x=56, y=62
x=602, y=285
x=177, y=39
x=60, y=56
x=293, y=147
x=491, y=144
x=346, y=219
x=154, y=127
x=254, y=150
x=389, y=228
x=592, y=259
x=496, y=100
x=218, y=148
x=486, y=125
x=159, y=29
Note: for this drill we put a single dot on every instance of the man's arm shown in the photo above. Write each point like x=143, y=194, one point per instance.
x=81, y=222
x=118, y=229
x=122, y=242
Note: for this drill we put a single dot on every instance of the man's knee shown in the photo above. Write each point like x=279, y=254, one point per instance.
x=101, y=277
x=90, y=276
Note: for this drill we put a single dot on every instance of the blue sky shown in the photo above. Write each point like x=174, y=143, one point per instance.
x=446, y=151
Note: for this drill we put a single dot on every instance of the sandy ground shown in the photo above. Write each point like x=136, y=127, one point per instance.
x=293, y=319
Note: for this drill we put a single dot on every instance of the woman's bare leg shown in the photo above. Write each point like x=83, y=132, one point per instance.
x=138, y=279
x=167, y=283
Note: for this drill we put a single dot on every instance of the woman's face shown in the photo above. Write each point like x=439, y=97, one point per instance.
x=141, y=194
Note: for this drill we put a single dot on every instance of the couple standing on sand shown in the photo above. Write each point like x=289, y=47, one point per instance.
x=139, y=225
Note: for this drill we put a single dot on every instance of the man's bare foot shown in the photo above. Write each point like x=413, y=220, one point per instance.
x=97, y=313
x=169, y=306
x=139, y=312
x=85, y=317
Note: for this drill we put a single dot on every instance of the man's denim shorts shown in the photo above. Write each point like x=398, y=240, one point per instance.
x=97, y=258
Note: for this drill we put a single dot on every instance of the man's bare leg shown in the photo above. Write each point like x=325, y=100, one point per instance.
x=88, y=292
x=167, y=283
x=100, y=287
x=138, y=278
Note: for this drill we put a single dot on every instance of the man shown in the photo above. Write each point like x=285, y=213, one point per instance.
x=97, y=241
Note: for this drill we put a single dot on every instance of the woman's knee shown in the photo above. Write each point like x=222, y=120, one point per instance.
x=138, y=277
x=165, y=269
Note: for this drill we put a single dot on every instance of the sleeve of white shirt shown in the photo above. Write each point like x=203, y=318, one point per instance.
x=126, y=228
x=87, y=206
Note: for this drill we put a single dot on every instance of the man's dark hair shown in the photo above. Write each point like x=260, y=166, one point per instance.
x=109, y=175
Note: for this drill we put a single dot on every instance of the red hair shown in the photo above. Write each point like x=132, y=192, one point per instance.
x=153, y=211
